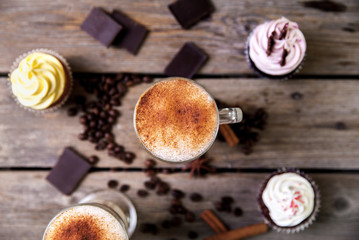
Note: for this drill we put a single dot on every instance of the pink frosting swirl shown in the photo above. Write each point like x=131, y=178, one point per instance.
x=294, y=42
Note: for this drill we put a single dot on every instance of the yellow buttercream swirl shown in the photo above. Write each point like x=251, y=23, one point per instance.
x=39, y=80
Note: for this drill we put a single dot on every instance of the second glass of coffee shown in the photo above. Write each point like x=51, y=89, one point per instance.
x=177, y=120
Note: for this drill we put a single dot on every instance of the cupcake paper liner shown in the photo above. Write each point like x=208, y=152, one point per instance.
x=268, y=76
x=306, y=222
x=68, y=87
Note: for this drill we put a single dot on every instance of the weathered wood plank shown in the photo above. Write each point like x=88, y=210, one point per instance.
x=28, y=202
x=333, y=37
x=300, y=133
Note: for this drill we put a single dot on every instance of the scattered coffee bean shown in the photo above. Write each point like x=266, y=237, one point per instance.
x=149, y=228
x=71, y=112
x=227, y=200
x=196, y=197
x=150, y=185
x=124, y=188
x=238, y=212
x=296, y=96
x=190, y=216
x=176, y=221
x=150, y=172
x=150, y=163
x=177, y=194
x=219, y=206
x=166, y=224
x=112, y=184
x=142, y=193
x=166, y=171
x=147, y=79
x=93, y=159
x=340, y=126
x=82, y=136
x=192, y=235
x=163, y=188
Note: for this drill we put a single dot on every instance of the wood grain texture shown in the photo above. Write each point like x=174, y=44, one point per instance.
x=300, y=133
x=28, y=203
x=332, y=36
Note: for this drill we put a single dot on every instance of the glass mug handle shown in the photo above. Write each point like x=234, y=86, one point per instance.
x=230, y=115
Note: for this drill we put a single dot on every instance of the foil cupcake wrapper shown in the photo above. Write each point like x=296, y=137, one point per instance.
x=69, y=80
x=268, y=76
x=307, y=222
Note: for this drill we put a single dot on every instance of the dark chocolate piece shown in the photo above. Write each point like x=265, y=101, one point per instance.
x=189, y=12
x=101, y=26
x=284, y=56
x=132, y=35
x=68, y=171
x=186, y=62
x=270, y=43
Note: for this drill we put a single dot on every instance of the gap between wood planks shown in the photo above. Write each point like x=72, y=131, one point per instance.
x=179, y=170
x=224, y=76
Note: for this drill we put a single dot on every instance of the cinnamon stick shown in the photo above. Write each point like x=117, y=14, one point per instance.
x=241, y=233
x=229, y=135
x=213, y=221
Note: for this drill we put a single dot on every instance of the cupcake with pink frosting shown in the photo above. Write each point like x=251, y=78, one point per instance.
x=276, y=49
x=289, y=201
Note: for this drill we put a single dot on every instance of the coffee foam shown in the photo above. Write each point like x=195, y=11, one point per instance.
x=176, y=120
x=85, y=222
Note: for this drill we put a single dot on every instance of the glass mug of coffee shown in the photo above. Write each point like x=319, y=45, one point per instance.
x=102, y=215
x=177, y=120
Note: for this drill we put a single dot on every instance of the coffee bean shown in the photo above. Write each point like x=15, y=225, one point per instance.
x=176, y=221
x=149, y=228
x=92, y=124
x=113, y=113
x=296, y=96
x=238, y=212
x=166, y=224
x=112, y=184
x=181, y=209
x=227, y=200
x=340, y=126
x=93, y=159
x=83, y=120
x=109, y=136
x=147, y=79
x=192, y=235
x=93, y=139
x=150, y=185
x=129, y=156
x=130, y=83
x=108, y=107
x=124, y=188
x=177, y=194
x=190, y=216
x=103, y=115
x=150, y=163
x=118, y=149
x=111, y=120
x=142, y=193
x=121, y=88
x=219, y=206
x=150, y=172
x=196, y=197
x=82, y=136
x=163, y=188
x=175, y=202
x=111, y=146
x=71, y=112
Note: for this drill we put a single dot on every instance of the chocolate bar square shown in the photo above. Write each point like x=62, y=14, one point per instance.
x=69, y=170
x=189, y=12
x=186, y=62
x=133, y=34
x=101, y=26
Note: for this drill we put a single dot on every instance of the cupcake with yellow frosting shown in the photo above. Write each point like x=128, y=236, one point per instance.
x=41, y=80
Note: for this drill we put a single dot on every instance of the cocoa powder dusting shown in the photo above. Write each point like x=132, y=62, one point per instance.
x=79, y=229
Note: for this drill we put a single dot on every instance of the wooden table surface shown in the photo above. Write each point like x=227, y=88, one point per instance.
x=300, y=133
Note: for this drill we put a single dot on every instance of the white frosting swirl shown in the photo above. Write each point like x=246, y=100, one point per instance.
x=289, y=198
x=294, y=42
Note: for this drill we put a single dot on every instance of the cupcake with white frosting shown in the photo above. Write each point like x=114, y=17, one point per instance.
x=40, y=80
x=289, y=201
x=276, y=49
